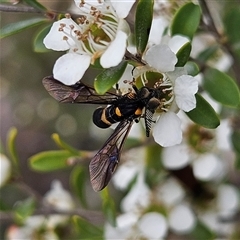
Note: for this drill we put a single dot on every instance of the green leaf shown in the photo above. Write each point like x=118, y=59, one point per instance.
x=204, y=114
x=143, y=22
x=11, y=145
x=186, y=20
x=38, y=41
x=192, y=68
x=24, y=209
x=64, y=145
x=221, y=87
x=50, y=160
x=235, y=138
x=154, y=165
x=231, y=24
x=86, y=229
x=108, y=207
x=19, y=26
x=107, y=78
x=207, y=53
x=237, y=161
x=78, y=182
x=201, y=231
x=183, y=54
x=35, y=4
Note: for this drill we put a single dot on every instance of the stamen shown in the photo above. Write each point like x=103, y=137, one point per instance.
x=67, y=15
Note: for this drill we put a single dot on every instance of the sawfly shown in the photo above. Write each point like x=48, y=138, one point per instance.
x=122, y=109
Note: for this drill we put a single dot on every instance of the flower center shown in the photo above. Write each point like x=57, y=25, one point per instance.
x=199, y=138
x=93, y=31
x=160, y=82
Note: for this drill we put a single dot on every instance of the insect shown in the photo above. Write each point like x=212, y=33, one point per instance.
x=124, y=109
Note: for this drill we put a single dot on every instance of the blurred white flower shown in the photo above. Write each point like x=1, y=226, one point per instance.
x=218, y=216
x=170, y=192
x=138, y=196
x=208, y=167
x=101, y=32
x=181, y=219
x=228, y=200
x=153, y=225
x=130, y=169
x=5, y=169
x=124, y=227
x=58, y=197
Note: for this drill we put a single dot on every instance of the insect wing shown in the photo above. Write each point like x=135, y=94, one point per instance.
x=104, y=163
x=77, y=93
x=148, y=121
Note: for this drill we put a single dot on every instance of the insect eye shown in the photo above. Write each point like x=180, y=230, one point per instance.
x=153, y=104
x=144, y=92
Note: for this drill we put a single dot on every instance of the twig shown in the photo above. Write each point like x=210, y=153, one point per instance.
x=17, y=8
x=210, y=25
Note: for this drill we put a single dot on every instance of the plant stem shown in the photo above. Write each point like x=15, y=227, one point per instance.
x=17, y=8
x=210, y=25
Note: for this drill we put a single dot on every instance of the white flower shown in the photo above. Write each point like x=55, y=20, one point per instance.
x=178, y=88
x=181, y=219
x=124, y=227
x=58, y=197
x=138, y=197
x=101, y=32
x=153, y=225
x=5, y=169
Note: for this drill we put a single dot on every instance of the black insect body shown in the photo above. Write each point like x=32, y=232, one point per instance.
x=124, y=109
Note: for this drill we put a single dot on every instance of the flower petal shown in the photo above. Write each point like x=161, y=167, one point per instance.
x=167, y=131
x=176, y=157
x=181, y=224
x=115, y=51
x=153, y=225
x=157, y=28
x=5, y=169
x=123, y=7
x=161, y=58
x=176, y=42
x=138, y=197
x=208, y=167
x=55, y=38
x=185, y=88
x=70, y=67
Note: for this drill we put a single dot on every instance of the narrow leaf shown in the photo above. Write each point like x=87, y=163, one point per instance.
x=183, y=54
x=221, y=87
x=35, y=4
x=201, y=231
x=204, y=114
x=64, y=145
x=78, y=182
x=207, y=53
x=143, y=22
x=237, y=161
x=192, y=68
x=86, y=229
x=231, y=23
x=16, y=27
x=235, y=138
x=24, y=209
x=108, y=207
x=38, y=41
x=50, y=160
x=11, y=145
x=186, y=20
x=107, y=78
